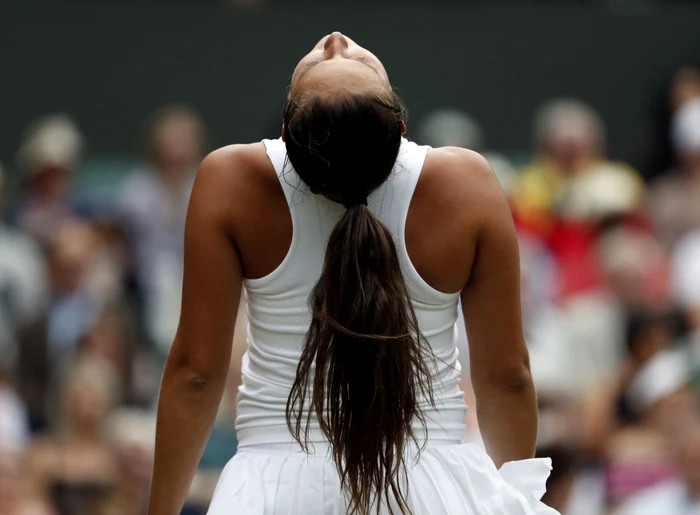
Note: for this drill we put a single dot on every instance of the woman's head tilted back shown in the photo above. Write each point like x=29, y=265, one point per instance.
x=342, y=121
x=342, y=130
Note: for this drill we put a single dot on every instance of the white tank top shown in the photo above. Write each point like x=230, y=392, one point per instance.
x=279, y=316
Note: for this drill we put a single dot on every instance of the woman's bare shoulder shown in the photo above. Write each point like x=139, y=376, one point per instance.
x=458, y=178
x=240, y=172
x=233, y=163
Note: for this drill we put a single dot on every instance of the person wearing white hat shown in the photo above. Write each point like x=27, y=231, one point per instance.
x=48, y=158
x=569, y=136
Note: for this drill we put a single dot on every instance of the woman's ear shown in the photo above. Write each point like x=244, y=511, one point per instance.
x=283, y=131
x=403, y=128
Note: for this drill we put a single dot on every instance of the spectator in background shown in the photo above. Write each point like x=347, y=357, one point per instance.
x=152, y=204
x=75, y=468
x=48, y=158
x=111, y=338
x=569, y=188
x=570, y=141
x=14, y=420
x=23, y=299
x=15, y=494
x=577, y=344
x=636, y=454
x=625, y=419
x=686, y=276
x=680, y=493
x=77, y=301
x=674, y=198
x=576, y=340
x=132, y=432
x=15, y=497
x=86, y=285
x=683, y=85
x=622, y=397
x=635, y=272
x=22, y=290
x=453, y=128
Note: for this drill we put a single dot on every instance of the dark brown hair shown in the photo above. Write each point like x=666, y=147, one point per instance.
x=364, y=364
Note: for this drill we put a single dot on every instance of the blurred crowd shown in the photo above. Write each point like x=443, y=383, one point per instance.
x=611, y=297
x=90, y=292
x=89, y=303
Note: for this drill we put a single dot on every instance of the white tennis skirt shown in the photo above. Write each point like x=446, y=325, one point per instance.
x=454, y=479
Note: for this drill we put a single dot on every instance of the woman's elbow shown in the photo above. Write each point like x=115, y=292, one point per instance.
x=513, y=376
x=194, y=370
x=518, y=378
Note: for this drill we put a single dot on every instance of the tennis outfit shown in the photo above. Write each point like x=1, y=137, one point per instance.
x=270, y=475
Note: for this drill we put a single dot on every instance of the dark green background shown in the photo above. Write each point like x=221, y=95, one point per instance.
x=110, y=66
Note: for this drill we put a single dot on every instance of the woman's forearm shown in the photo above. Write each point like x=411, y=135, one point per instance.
x=186, y=412
x=508, y=420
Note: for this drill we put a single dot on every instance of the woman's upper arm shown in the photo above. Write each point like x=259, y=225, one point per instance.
x=212, y=278
x=491, y=300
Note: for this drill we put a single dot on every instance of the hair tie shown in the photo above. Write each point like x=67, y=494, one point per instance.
x=352, y=200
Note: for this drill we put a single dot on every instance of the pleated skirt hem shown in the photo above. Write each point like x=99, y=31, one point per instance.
x=457, y=479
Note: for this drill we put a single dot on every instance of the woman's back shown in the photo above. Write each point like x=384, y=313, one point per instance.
x=281, y=230
x=351, y=340
x=279, y=315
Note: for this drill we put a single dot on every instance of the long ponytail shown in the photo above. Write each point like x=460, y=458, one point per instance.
x=364, y=368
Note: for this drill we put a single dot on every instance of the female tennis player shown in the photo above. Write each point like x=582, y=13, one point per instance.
x=354, y=246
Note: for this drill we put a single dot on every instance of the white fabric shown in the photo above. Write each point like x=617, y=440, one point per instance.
x=264, y=480
x=587, y=495
x=23, y=289
x=278, y=313
x=669, y=498
x=446, y=480
x=686, y=270
x=593, y=331
x=14, y=422
x=665, y=373
x=685, y=127
x=154, y=213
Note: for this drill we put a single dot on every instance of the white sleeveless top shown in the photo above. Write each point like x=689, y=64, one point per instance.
x=279, y=316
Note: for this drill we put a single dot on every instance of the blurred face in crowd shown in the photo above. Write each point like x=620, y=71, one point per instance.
x=685, y=125
x=88, y=407
x=569, y=133
x=66, y=271
x=89, y=396
x=685, y=86
x=108, y=341
x=636, y=268
x=51, y=183
x=570, y=148
x=72, y=249
x=176, y=144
